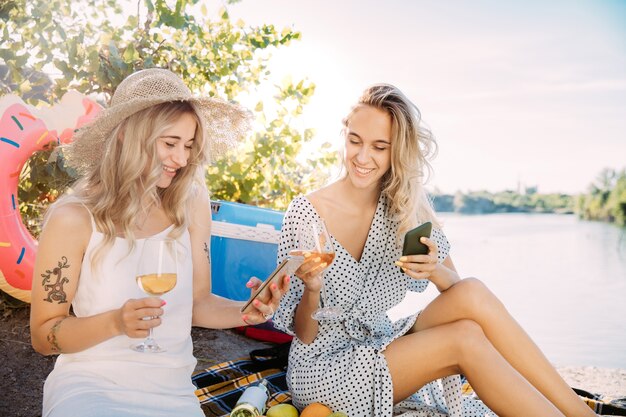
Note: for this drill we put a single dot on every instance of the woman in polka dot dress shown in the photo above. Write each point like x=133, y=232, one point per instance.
x=363, y=363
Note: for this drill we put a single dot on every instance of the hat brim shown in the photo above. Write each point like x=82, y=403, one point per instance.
x=224, y=125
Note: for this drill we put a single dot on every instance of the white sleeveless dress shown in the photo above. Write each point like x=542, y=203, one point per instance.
x=110, y=379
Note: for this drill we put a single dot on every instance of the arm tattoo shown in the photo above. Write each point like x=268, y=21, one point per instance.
x=52, y=336
x=55, y=287
x=208, y=252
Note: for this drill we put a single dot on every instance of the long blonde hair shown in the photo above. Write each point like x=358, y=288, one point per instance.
x=412, y=146
x=123, y=186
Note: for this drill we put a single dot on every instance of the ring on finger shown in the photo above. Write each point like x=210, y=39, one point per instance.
x=270, y=315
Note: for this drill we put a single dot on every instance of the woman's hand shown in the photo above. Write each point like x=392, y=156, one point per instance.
x=420, y=266
x=136, y=317
x=310, y=272
x=264, y=308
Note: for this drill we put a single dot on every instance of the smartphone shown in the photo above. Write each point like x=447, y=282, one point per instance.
x=287, y=267
x=412, y=244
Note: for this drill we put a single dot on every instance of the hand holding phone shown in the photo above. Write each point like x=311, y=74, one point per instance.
x=287, y=267
x=412, y=243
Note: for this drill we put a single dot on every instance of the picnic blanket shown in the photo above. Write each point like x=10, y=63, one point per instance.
x=220, y=386
x=602, y=405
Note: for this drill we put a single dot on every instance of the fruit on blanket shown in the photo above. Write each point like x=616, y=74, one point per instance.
x=282, y=410
x=316, y=410
x=338, y=414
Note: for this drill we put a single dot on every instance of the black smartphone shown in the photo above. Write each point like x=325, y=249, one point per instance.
x=412, y=244
x=287, y=267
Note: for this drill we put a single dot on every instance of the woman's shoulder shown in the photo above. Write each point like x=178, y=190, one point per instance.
x=308, y=204
x=328, y=192
x=199, y=211
x=327, y=200
x=71, y=214
x=298, y=203
x=68, y=217
x=199, y=198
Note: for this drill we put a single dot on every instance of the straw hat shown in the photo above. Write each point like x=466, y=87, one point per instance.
x=224, y=123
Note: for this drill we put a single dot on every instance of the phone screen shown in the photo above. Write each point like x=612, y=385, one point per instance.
x=287, y=267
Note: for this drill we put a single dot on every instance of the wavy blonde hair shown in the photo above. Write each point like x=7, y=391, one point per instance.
x=412, y=145
x=124, y=185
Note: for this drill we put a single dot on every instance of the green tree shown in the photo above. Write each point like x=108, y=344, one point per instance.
x=616, y=201
x=482, y=202
x=476, y=202
x=258, y=173
x=91, y=45
x=606, y=199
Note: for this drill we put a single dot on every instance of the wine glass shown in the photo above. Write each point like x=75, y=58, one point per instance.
x=156, y=275
x=314, y=240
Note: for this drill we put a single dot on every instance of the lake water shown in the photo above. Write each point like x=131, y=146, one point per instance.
x=563, y=279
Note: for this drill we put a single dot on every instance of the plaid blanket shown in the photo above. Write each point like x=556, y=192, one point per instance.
x=220, y=386
x=602, y=405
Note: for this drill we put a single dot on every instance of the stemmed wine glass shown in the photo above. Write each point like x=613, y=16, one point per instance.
x=156, y=275
x=314, y=240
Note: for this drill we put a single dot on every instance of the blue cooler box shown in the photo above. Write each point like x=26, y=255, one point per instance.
x=244, y=243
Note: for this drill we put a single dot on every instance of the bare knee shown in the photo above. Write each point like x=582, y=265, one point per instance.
x=470, y=339
x=467, y=330
x=472, y=286
x=475, y=298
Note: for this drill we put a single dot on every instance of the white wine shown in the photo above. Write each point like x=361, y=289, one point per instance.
x=156, y=284
x=326, y=257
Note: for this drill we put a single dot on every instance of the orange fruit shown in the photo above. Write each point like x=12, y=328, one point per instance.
x=316, y=410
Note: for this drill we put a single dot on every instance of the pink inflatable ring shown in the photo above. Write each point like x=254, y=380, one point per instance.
x=25, y=130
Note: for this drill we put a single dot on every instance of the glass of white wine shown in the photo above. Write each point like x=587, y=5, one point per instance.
x=314, y=240
x=156, y=275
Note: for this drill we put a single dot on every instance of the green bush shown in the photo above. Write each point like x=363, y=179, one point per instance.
x=92, y=45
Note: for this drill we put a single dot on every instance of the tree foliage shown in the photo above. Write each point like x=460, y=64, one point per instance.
x=50, y=46
x=606, y=199
x=258, y=172
x=483, y=202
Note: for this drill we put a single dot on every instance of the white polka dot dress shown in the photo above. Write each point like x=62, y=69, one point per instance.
x=344, y=366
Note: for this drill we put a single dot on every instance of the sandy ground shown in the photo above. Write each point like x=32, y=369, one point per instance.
x=609, y=382
x=23, y=371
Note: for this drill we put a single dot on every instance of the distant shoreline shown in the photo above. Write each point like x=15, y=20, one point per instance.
x=484, y=202
x=560, y=213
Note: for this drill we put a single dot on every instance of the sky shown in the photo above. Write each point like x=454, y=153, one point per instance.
x=517, y=93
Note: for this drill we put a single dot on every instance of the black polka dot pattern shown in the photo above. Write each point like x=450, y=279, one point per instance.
x=442, y=398
x=344, y=367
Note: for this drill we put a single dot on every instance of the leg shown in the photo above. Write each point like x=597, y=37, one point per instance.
x=462, y=347
x=470, y=299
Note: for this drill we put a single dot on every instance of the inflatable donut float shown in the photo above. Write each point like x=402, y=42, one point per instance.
x=25, y=130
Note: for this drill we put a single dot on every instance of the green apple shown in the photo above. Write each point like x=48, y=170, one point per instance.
x=282, y=410
x=338, y=414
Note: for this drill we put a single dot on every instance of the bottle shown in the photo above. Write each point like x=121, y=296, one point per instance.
x=252, y=401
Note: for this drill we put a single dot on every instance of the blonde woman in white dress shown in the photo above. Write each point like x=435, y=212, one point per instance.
x=142, y=162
